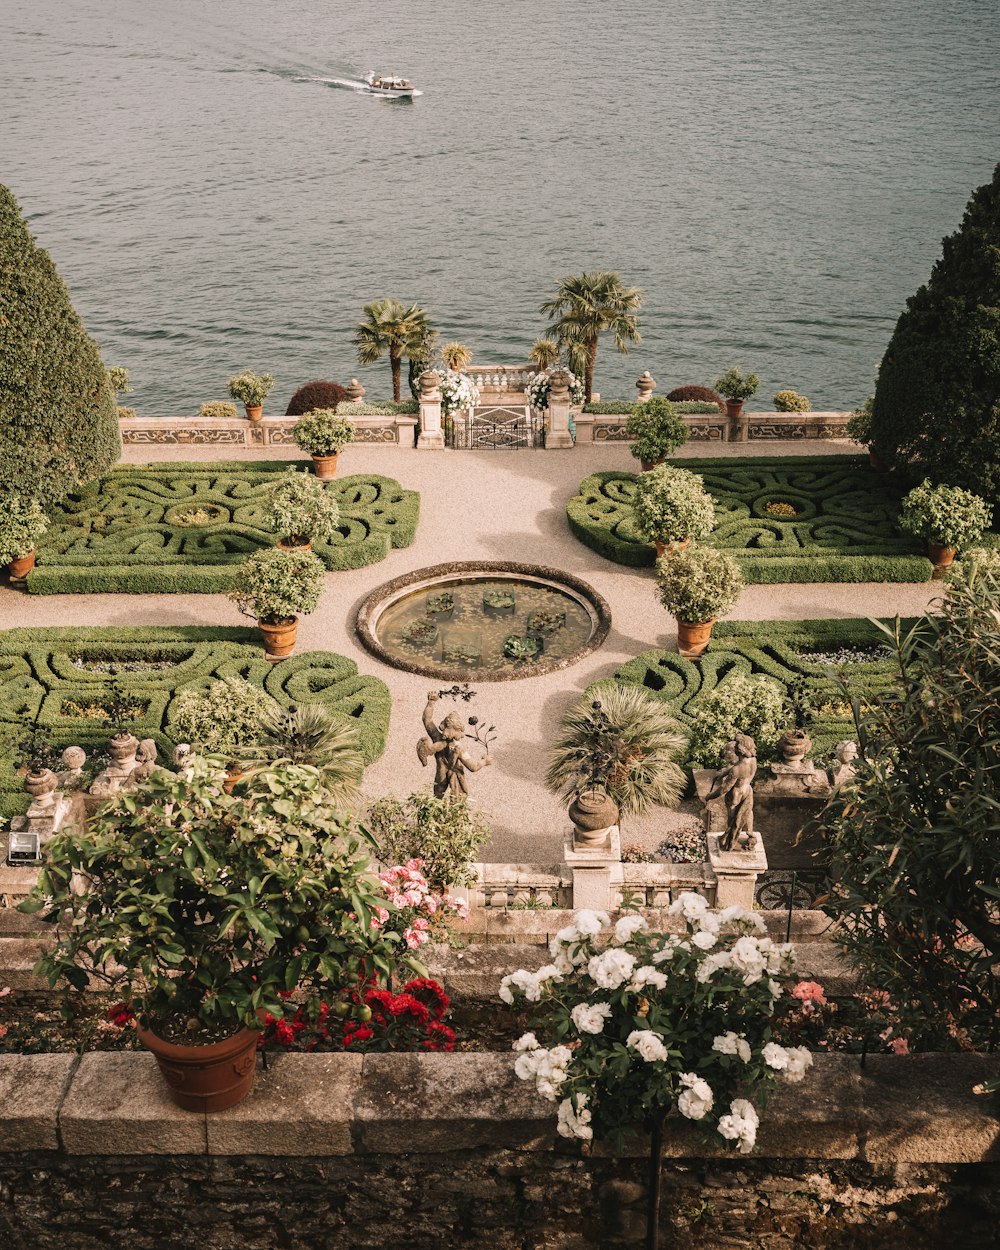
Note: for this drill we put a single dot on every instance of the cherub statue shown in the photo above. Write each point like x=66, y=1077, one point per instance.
x=734, y=782
x=444, y=743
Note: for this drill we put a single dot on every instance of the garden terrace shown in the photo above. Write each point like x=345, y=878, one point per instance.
x=181, y=527
x=63, y=678
x=844, y=527
x=805, y=657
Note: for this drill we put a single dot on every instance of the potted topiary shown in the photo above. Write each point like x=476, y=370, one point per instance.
x=736, y=387
x=218, y=410
x=323, y=434
x=204, y=923
x=948, y=518
x=251, y=389
x=301, y=509
x=273, y=586
x=658, y=430
x=22, y=523
x=696, y=586
x=791, y=401
x=672, y=507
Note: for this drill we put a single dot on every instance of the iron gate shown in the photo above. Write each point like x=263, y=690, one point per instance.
x=494, y=427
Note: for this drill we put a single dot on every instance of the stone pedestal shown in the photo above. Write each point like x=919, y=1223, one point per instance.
x=584, y=428
x=736, y=872
x=557, y=434
x=596, y=871
x=431, y=436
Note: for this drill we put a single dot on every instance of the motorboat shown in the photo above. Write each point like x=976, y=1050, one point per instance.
x=389, y=85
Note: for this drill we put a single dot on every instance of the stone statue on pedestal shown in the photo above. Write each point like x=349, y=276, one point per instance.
x=734, y=783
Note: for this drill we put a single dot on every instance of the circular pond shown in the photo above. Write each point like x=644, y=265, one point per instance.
x=489, y=620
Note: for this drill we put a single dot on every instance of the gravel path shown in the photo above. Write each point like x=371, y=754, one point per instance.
x=487, y=505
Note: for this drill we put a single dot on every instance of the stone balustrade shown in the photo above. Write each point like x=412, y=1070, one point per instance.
x=507, y=380
x=393, y=431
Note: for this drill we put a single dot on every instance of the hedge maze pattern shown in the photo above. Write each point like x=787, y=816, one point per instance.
x=844, y=531
x=39, y=679
x=184, y=527
x=781, y=650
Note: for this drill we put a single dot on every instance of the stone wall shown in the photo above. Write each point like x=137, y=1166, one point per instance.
x=406, y=1152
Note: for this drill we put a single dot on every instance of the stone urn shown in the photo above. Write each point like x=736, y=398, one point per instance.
x=41, y=786
x=123, y=747
x=794, y=745
x=593, y=813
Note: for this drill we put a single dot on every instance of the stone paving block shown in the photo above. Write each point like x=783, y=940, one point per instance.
x=31, y=1089
x=302, y=1105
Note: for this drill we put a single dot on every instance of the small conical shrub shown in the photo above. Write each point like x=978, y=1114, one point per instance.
x=58, y=423
x=937, y=400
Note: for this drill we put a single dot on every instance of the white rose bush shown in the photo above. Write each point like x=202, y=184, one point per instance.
x=640, y=1024
x=540, y=386
x=458, y=391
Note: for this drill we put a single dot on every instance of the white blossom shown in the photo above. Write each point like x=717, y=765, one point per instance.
x=645, y=976
x=526, y=1064
x=574, y=1121
x=648, y=1044
x=746, y=957
x=590, y=1017
x=733, y=1044
x=528, y=983
x=712, y=964
x=775, y=1056
x=626, y=927
x=611, y=969
x=695, y=1101
x=799, y=1060
x=563, y=938
x=527, y=1041
x=740, y=915
x=704, y=940
x=692, y=906
x=589, y=923
x=740, y=1125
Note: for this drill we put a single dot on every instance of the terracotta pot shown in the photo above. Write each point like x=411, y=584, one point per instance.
x=693, y=636
x=733, y=408
x=279, y=640
x=326, y=466
x=289, y=544
x=939, y=555
x=255, y=412
x=876, y=462
x=22, y=566
x=233, y=775
x=592, y=814
x=123, y=748
x=209, y=1077
x=662, y=547
x=646, y=465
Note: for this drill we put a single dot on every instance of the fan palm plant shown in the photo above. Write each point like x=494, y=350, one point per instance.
x=544, y=353
x=584, y=307
x=390, y=326
x=306, y=733
x=456, y=356
x=625, y=743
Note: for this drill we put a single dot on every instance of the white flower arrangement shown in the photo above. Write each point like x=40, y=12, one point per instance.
x=647, y=1023
x=458, y=391
x=540, y=385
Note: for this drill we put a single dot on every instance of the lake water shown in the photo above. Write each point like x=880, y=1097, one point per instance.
x=776, y=175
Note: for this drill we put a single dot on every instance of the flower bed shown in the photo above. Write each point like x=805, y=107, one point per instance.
x=40, y=674
x=796, y=654
x=186, y=527
x=844, y=529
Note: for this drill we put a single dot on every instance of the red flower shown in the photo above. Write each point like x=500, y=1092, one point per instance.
x=406, y=1004
x=430, y=994
x=439, y=1037
x=120, y=1015
x=363, y=1034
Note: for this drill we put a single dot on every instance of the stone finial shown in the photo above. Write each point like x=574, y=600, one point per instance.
x=644, y=387
x=844, y=770
x=559, y=379
x=355, y=391
x=41, y=786
x=71, y=776
x=430, y=380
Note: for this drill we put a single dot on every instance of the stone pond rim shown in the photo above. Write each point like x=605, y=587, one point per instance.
x=389, y=592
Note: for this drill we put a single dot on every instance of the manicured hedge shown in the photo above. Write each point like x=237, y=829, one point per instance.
x=845, y=530
x=776, y=649
x=37, y=676
x=118, y=535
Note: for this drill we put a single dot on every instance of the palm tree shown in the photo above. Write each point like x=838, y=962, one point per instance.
x=456, y=356
x=392, y=327
x=585, y=305
x=306, y=733
x=544, y=352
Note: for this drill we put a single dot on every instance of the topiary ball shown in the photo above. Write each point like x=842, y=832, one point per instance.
x=690, y=394
x=318, y=394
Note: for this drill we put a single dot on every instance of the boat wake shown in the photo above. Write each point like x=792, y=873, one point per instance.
x=356, y=84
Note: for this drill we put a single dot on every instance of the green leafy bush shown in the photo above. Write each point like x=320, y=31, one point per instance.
x=302, y=509
x=359, y=408
x=741, y=703
x=657, y=430
x=306, y=733
x=671, y=505
x=947, y=515
x=859, y=423
x=58, y=424
x=935, y=405
x=251, y=388
x=118, y=376
x=699, y=583
x=22, y=523
x=611, y=407
x=791, y=401
x=322, y=433
x=202, y=922
x=275, y=586
x=445, y=833
x=228, y=713
x=218, y=410
x=915, y=843
x=734, y=384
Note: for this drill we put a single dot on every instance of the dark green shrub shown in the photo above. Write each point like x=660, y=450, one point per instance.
x=58, y=421
x=937, y=398
x=703, y=393
x=915, y=844
x=314, y=395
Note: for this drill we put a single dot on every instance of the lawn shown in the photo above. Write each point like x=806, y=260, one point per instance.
x=185, y=527
x=63, y=678
x=844, y=527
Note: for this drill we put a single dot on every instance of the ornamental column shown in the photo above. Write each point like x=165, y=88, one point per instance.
x=431, y=437
x=557, y=432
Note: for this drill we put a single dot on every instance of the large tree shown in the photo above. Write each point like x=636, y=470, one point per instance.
x=390, y=326
x=584, y=307
x=937, y=400
x=58, y=420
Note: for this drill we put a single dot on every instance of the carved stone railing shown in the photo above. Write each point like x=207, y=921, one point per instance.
x=509, y=380
x=542, y=886
x=717, y=428
x=392, y=431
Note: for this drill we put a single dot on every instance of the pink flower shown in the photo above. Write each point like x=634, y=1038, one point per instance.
x=899, y=1046
x=421, y=922
x=414, y=864
x=809, y=992
x=432, y=903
